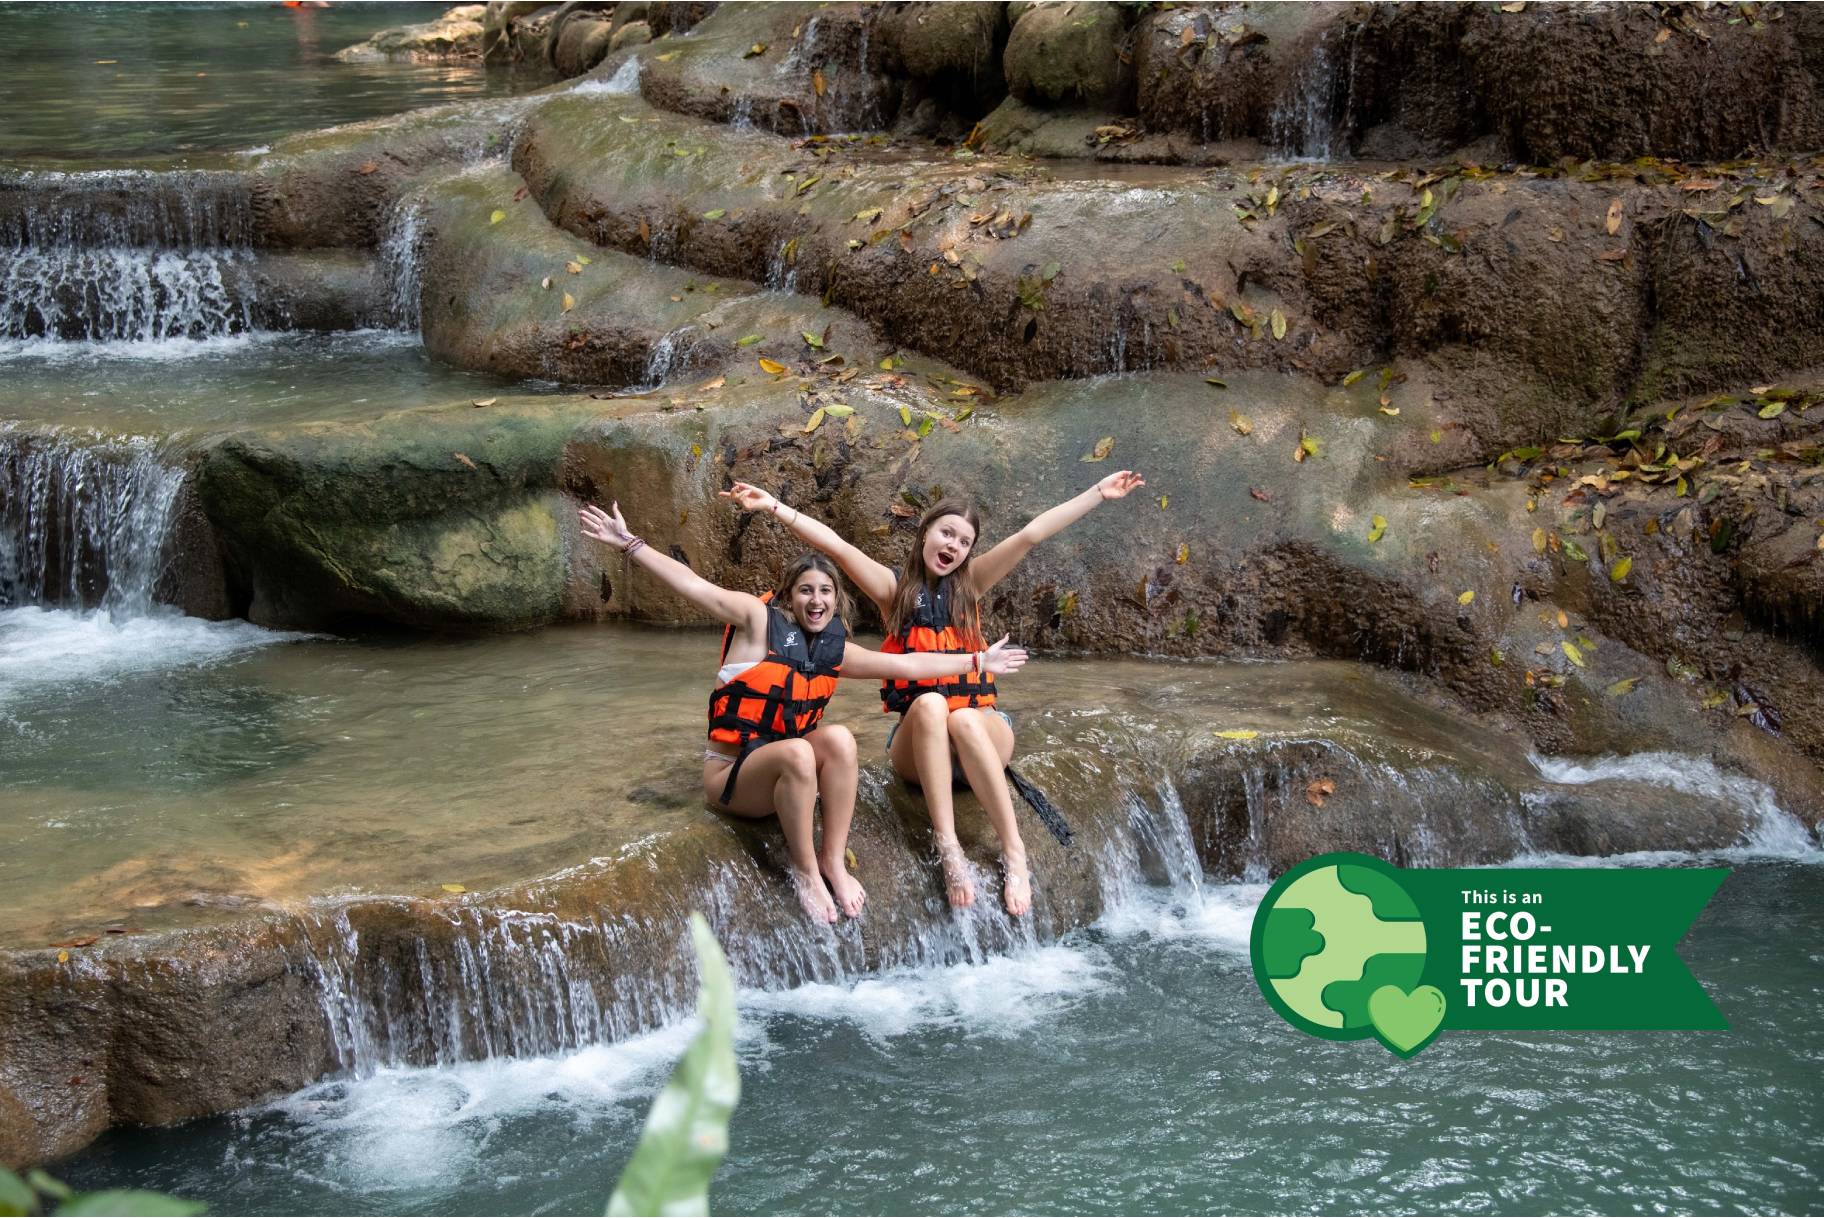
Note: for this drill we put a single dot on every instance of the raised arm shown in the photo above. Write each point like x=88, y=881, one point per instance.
x=991, y=568
x=736, y=608
x=875, y=580
x=1000, y=659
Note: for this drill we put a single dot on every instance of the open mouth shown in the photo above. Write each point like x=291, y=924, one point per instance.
x=945, y=558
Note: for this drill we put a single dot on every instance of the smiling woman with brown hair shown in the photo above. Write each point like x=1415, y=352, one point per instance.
x=769, y=751
x=932, y=606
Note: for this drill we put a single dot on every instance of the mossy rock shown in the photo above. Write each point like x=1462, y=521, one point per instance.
x=1065, y=53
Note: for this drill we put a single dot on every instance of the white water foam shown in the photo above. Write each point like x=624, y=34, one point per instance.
x=193, y=350
x=411, y=1129
x=1222, y=916
x=1001, y=996
x=625, y=81
x=1774, y=831
x=40, y=647
x=157, y=350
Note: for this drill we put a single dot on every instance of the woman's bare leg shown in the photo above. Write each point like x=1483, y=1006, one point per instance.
x=984, y=746
x=834, y=746
x=780, y=778
x=921, y=753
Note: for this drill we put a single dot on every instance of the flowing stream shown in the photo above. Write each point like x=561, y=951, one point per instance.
x=496, y=1053
x=1131, y=1066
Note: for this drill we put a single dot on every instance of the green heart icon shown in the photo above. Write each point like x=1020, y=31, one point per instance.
x=1405, y=1022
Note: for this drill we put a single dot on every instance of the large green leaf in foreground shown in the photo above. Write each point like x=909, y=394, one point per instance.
x=686, y=1132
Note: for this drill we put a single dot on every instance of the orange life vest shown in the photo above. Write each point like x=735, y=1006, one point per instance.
x=784, y=695
x=931, y=630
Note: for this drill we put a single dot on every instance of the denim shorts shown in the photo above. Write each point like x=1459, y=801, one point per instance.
x=993, y=710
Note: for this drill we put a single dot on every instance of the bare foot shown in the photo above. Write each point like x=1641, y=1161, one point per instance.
x=849, y=893
x=1016, y=884
x=814, y=896
x=957, y=886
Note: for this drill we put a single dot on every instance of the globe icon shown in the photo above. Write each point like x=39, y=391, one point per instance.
x=1329, y=934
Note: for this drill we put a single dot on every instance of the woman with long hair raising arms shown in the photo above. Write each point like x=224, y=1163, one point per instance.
x=933, y=605
x=769, y=750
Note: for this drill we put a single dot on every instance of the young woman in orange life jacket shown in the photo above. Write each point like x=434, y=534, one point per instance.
x=769, y=750
x=933, y=605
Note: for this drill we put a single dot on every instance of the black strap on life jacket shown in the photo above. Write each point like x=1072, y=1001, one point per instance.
x=1043, y=808
x=808, y=655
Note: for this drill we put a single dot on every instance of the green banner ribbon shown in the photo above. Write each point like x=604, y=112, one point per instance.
x=1346, y=946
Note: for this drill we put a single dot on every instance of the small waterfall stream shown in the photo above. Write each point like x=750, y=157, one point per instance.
x=84, y=525
x=120, y=294
x=437, y=985
x=402, y=261
x=401, y=988
x=1309, y=120
x=125, y=257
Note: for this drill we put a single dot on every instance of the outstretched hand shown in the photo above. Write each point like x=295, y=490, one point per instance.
x=1001, y=659
x=749, y=497
x=604, y=527
x=1119, y=483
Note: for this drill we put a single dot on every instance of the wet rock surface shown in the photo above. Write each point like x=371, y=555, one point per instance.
x=1521, y=431
x=132, y=1028
x=457, y=34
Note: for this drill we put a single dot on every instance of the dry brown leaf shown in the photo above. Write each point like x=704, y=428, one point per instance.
x=465, y=459
x=1318, y=789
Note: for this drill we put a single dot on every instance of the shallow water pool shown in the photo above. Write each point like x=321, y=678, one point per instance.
x=132, y=80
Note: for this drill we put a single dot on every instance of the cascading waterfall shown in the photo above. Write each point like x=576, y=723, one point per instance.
x=484, y=983
x=670, y=356
x=782, y=268
x=126, y=257
x=83, y=523
x=402, y=261
x=625, y=81
x=850, y=98
x=1305, y=120
x=171, y=210
x=120, y=294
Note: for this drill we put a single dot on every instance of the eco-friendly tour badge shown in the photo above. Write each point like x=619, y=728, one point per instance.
x=1346, y=946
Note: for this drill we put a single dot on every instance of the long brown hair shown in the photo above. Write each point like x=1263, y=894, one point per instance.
x=782, y=593
x=965, y=598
